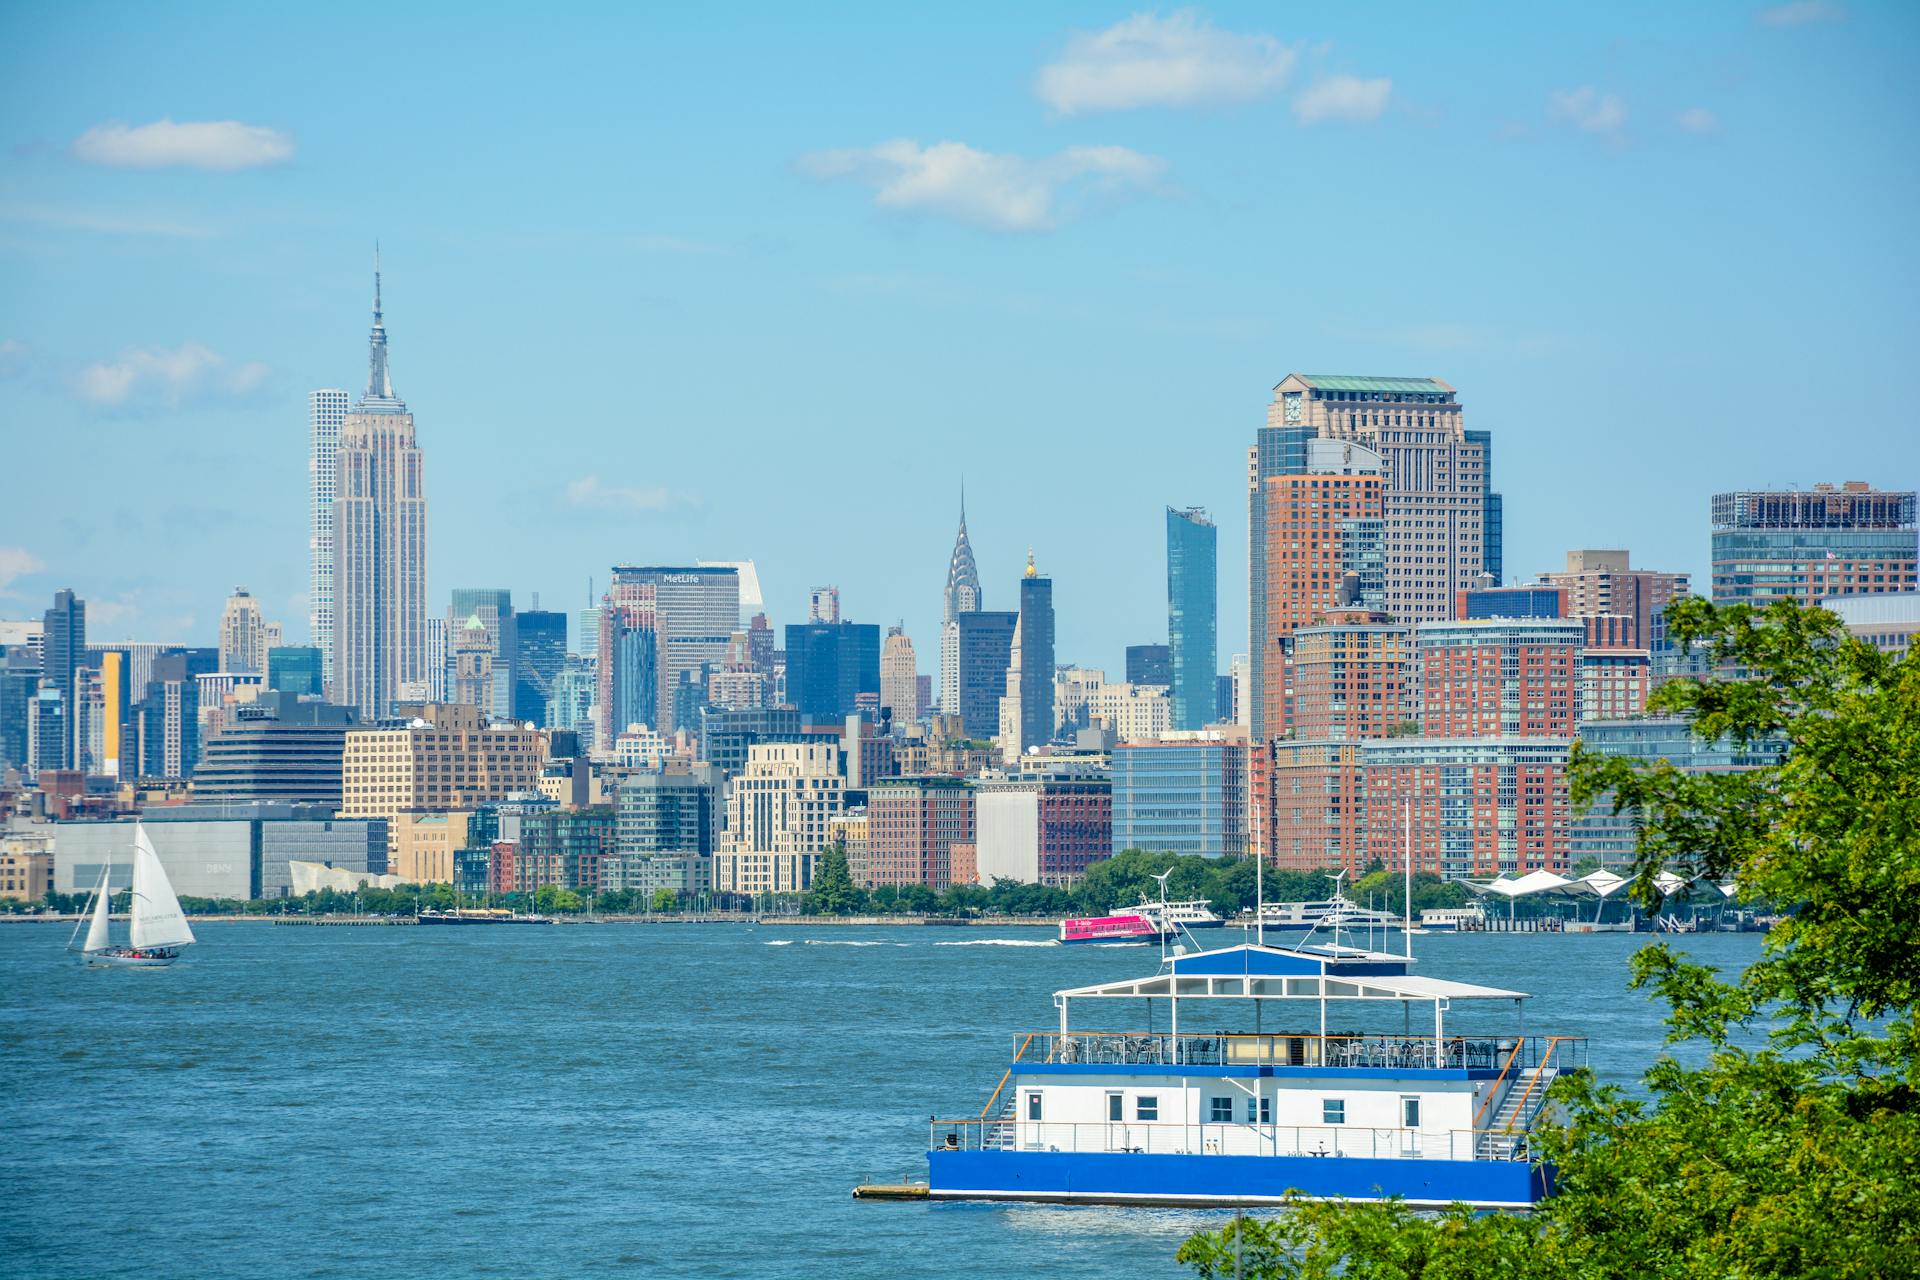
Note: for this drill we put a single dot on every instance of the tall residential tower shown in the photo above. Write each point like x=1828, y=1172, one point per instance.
x=1193, y=589
x=326, y=410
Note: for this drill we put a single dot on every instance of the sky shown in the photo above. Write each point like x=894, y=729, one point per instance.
x=677, y=284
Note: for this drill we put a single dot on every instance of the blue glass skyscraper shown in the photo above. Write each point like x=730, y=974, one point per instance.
x=1193, y=590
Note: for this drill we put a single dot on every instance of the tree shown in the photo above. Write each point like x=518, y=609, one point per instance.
x=1793, y=1153
x=833, y=892
x=664, y=900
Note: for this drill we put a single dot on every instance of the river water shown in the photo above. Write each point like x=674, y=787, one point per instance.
x=684, y=1100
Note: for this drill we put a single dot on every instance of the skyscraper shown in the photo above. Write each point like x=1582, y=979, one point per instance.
x=537, y=649
x=1436, y=497
x=975, y=650
x=64, y=650
x=326, y=411
x=1036, y=657
x=1318, y=520
x=1192, y=612
x=380, y=546
x=899, y=678
x=695, y=613
x=1806, y=545
x=494, y=607
x=628, y=669
x=829, y=665
x=1149, y=664
x=243, y=634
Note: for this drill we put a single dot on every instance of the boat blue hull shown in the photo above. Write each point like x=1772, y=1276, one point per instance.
x=1126, y=1178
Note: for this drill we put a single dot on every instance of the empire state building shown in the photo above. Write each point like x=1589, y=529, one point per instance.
x=380, y=546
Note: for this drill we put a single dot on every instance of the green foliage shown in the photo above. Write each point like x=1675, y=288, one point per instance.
x=664, y=900
x=1797, y=1157
x=833, y=892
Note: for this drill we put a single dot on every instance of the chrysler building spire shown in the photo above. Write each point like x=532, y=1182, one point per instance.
x=963, y=577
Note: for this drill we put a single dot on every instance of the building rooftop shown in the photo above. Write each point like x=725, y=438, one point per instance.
x=1352, y=382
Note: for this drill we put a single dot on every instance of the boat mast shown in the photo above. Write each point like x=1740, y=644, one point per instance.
x=1406, y=931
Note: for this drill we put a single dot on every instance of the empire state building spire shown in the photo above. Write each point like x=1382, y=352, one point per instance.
x=379, y=397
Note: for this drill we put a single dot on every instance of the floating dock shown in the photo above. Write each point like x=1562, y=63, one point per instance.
x=890, y=1191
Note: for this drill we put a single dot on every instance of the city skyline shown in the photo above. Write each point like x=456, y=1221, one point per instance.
x=579, y=353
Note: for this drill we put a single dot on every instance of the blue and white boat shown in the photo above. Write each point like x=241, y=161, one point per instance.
x=1287, y=1105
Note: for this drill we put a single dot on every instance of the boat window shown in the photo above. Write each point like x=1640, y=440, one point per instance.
x=1116, y=1107
x=1264, y=1114
x=1221, y=1111
x=1333, y=1111
x=1033, y=1106
x=1410, y=1112
x=1146, y=1107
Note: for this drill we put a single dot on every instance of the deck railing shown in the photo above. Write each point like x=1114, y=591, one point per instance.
x=1173, y=1138
x=1349, y=1050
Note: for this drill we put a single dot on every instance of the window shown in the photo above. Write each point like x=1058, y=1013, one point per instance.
x=1146, y=1107
x=1410, y=1113
x=1333, y=1111
x=1116, y=1107
x=1033, y=1106
x=1220, y=1110
x=1259, y=1110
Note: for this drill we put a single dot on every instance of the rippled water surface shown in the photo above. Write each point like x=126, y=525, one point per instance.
x=585, y=1100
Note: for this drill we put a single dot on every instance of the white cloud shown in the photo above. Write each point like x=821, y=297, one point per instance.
x=996, y=190
x=589, y=493
x=1800, y=13
x=167, y=376
x=16, y=562
x=222, y=145
x=1698, y=121
x=1181, y=60
x=1346, y=98
x=1590, y=110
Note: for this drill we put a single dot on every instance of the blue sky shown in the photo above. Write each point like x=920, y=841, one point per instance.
x=670, y=285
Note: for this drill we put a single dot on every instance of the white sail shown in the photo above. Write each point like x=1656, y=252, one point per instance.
x=157, y=918
x=98, y=939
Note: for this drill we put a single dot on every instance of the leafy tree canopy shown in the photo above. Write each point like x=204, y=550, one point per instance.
x=1793, y=1149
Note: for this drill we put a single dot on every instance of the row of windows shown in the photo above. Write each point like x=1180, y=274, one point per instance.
x=1220, y=1110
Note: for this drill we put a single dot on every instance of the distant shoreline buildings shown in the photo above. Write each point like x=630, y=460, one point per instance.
x=1393, y=694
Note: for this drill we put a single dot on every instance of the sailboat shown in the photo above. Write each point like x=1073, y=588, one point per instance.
x=158, y=929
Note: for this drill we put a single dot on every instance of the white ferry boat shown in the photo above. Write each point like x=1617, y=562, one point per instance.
x=1187, y=1114
x=1293, y=922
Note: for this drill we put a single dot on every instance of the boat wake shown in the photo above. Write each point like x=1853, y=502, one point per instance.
x=1002, y=942
x=779, y=942
x=842, y=942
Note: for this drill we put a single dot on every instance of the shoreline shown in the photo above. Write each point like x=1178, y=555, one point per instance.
x=1014, y=922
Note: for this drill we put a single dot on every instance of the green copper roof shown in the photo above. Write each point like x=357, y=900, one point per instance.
x=1346, y=382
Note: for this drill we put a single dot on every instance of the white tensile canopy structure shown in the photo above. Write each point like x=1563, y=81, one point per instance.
x=1597, y=887
x=311, y=877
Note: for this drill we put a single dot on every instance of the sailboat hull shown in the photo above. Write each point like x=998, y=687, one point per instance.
x=123, y=960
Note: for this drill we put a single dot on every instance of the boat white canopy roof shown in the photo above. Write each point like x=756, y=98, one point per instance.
x=1252, y=972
